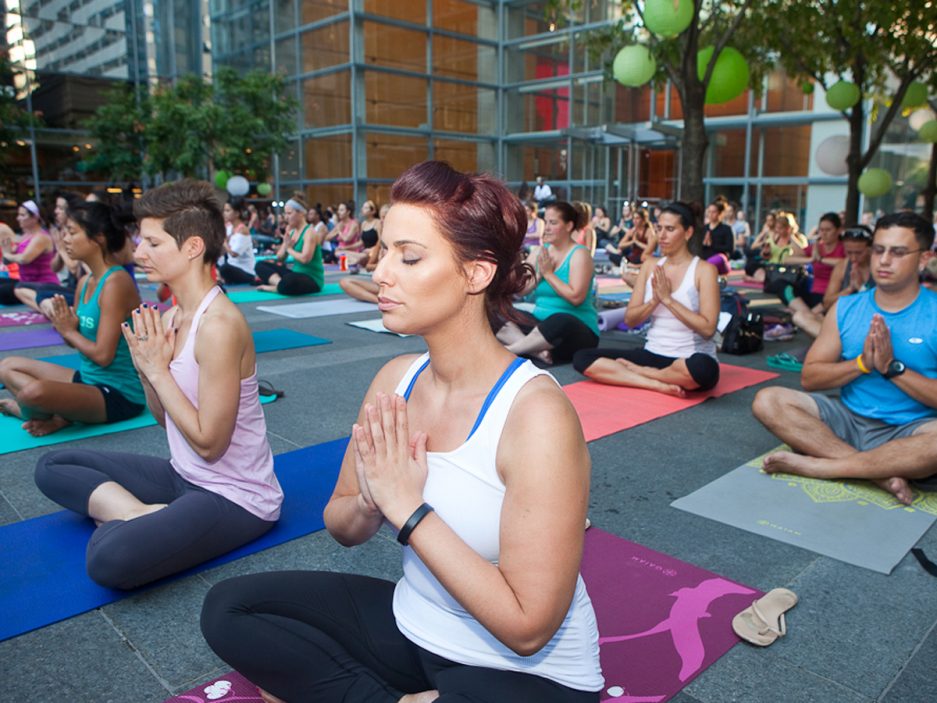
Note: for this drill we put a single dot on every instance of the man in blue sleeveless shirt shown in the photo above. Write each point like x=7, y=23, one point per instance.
x=879, y=348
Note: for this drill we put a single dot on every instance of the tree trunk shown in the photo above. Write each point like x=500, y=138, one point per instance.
x=695, y=143
x=930, y=190
x=854, y=161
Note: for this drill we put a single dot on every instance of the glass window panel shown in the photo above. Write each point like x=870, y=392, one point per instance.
x=785, y=95
x=632, y=104
x=736, y=106
x=537, y=60
x=790, y=198
x=526, y=161
x=456, y=58
x=379, y=193
x=314, y=10
x=463, y=108
x=786, y=151
x=326, y=46
x=395, y=100
x=657, y=174
x=676, y=107
x=284, y=15
x=728, y=153
x=537, y=111
x=328, y=195
x=394, y=47
x=328, y=157
x=591, y=103
x=528, y=19
x=289, y=162
x=327, y=99
x=466, y=155
x=389, y=155
x=286, y=56
x=407, y=10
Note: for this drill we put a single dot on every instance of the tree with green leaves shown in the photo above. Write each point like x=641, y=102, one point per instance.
x=194, y=127
x=719, y=24
x=881, y=47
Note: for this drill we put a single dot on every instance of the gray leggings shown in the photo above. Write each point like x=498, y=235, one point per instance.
x=197, y=525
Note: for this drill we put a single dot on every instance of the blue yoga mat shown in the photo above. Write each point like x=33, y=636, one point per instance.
x=44, y=578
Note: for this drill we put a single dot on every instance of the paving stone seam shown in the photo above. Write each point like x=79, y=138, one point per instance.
x=139, y=655
x=907, y=663
x=9, y=502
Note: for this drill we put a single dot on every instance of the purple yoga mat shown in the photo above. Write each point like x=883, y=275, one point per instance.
x=661, y=621
x=26, y=317
x=226, y=689
x=39, y=337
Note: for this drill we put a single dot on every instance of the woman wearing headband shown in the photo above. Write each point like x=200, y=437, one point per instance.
x=105, y=388
x=681, y=298
x=304, y=243
x=33, y=253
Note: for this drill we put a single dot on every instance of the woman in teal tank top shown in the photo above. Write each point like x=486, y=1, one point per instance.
x=106, y=387
x=564, y=318
x=304, y=243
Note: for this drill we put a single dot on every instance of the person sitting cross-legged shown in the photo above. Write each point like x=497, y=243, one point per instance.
x=879, y=349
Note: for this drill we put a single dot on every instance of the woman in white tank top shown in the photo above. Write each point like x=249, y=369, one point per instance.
x=491, y=606
x=680, y=294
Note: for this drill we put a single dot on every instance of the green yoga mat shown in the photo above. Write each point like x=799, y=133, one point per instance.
x=13, y=438
x=257, y=296
x=852, y=521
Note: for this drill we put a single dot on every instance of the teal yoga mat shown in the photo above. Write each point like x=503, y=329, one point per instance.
x=13, y=438
x=852, y=521
x=257, y=296
x=45, y=580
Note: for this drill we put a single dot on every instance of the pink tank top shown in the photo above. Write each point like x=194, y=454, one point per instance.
x=244, y=473
x=39, y=270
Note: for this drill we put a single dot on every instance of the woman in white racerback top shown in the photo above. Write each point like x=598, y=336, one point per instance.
x=491, y=606
x=681, y=296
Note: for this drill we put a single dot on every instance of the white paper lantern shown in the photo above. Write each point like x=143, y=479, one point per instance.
x=921, y=117
x=238, y=185
x=831, y=155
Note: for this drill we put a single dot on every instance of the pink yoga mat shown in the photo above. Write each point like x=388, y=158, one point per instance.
x=661, y=623
x=605, y=410
x=25, y=317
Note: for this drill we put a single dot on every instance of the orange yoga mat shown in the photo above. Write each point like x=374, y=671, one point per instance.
x=605, y=410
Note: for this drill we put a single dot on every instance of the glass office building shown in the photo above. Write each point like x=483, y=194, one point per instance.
x=494, y=85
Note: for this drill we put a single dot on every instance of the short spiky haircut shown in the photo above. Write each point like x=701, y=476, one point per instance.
x=188, y=208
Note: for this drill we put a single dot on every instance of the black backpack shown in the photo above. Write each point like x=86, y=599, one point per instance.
x=744, y=334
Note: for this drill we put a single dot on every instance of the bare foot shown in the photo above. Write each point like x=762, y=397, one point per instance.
x=267, y=289
x=10, y=408
x=422, y=697
x=791, y=463
x=652, y=383
x=41, y=427
x=545, y=356
x=898, y=487
x=146, y=510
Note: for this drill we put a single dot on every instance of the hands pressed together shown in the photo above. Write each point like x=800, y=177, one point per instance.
x=545, y=263
x=151, y=345
x=660, y=287
x=390, y=462
x=877, y=352
x=62, y=315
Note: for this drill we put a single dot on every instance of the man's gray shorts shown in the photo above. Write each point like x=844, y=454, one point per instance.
x=859, y=431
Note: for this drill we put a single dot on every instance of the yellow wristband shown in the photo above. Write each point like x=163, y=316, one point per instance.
x=861, y=365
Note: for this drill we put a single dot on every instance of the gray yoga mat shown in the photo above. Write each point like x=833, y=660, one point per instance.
x=319, y=308
x=852, y=521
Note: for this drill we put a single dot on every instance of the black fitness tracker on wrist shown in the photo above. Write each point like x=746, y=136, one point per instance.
x=895, y=368
x=404, y=535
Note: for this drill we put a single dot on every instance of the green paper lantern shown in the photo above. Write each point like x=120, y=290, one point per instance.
x=221, y=178
x=875, y=182
x=928, y=132
x=634, y=66
x=915, y=95
x=730, y=74
x=806, y=87
x=264, y=189
x=842, y=95
x=665, y=20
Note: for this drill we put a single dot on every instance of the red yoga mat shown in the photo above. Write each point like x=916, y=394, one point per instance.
x=661, y=622
x=605, y=410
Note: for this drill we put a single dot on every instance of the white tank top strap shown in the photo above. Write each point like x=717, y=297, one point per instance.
x=405, y=385
x=189, y=346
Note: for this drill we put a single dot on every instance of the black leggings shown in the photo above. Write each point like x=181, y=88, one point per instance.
x=232, y=274
x=7, y=297
x=198, y=525
x=321, y=636
x=291, y=283
x=702, y=367
x=566, y=334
